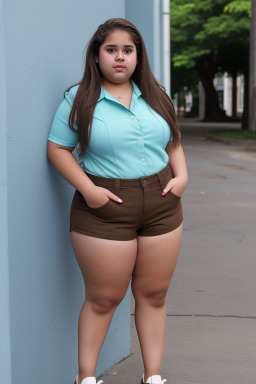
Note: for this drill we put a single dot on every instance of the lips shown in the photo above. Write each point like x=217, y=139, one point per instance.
x=119, y=67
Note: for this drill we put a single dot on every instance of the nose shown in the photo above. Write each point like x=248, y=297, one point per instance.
x=119, y=55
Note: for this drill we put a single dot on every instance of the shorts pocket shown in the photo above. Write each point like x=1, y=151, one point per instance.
x=173, y=201
x=101, y=207
x=80, y=203
x=176, y=196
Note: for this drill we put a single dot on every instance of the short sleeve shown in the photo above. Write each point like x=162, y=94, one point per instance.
x=60, y=132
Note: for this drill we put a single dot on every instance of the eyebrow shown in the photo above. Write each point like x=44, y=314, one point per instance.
x=113, y=46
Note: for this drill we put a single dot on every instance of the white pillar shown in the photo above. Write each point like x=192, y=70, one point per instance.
x=157, y=36
x=166, y=44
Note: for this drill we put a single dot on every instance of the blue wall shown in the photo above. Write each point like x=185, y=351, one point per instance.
x=41, y=288
x=146, y=15
x=133, y=12
x=41, y=282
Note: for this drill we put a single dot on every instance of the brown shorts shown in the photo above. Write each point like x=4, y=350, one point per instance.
x=144, y=211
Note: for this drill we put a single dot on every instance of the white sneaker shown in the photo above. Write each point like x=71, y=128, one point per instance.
x=88, y=380
x=155, y=379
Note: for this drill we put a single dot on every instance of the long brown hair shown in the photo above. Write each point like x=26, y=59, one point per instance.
x=89, y=88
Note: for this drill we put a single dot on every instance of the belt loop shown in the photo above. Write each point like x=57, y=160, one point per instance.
x=117, y=187
x=161, y=180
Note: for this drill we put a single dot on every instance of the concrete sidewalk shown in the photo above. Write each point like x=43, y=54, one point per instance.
x=211, y=306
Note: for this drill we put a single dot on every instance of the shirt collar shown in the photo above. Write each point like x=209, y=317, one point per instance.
x=104, y=94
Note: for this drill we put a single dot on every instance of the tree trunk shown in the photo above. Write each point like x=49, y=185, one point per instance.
x=245, y=118
x=206, y=70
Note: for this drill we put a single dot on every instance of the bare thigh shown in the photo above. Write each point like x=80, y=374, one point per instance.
x=106, y=265
x=156, y=260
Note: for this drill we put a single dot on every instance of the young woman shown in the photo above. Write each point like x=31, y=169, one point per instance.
x=126, y=214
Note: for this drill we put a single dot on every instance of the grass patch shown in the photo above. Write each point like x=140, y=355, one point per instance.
x=234, y=134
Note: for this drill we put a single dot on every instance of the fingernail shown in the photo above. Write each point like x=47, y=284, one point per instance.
x=119, y=200
x=164, y=192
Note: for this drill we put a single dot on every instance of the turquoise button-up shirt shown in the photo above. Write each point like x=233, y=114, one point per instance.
x=125, y=143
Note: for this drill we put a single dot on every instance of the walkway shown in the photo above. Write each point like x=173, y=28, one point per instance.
x=211, y=323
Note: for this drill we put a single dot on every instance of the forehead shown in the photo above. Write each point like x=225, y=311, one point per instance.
x=118, y=37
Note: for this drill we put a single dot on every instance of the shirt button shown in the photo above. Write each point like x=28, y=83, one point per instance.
x=132, y=117
x=143, y=159
x=139, y=138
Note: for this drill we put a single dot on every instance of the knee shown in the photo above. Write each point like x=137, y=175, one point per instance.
x=103, y=305
x=154, y=297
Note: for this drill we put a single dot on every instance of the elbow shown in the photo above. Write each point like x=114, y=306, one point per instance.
x=186, y=176
x=50, y=150
x=185, y=179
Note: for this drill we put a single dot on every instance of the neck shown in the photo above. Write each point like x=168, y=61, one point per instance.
x=115, y=87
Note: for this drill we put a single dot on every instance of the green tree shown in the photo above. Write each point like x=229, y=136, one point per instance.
x=211, y=36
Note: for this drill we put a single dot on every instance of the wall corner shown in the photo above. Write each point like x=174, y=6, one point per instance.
x=5, y=345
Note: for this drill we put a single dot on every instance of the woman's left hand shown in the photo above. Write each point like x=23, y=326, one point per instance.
x=176, y=185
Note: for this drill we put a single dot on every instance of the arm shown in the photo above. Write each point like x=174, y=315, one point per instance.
x=63, y=160
x=179, y=168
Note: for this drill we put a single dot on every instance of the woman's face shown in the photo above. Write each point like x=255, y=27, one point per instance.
x=117, y=57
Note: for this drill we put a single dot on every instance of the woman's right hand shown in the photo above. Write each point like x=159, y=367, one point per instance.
x=99, y=196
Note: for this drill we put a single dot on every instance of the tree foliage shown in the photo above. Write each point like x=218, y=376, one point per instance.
x=239, y=7
x=203, y=27
x=209, y=36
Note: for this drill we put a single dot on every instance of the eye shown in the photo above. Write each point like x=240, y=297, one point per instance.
x=128, y=51
x=110, y=50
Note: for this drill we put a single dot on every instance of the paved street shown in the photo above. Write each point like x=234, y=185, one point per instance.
x=211, y=306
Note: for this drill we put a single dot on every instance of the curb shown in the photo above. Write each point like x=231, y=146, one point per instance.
x=251, y=144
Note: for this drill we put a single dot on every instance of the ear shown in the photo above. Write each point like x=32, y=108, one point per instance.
x=96, y=59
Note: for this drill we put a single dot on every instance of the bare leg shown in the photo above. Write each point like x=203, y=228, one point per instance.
x=106, y=266
x=155, y=264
